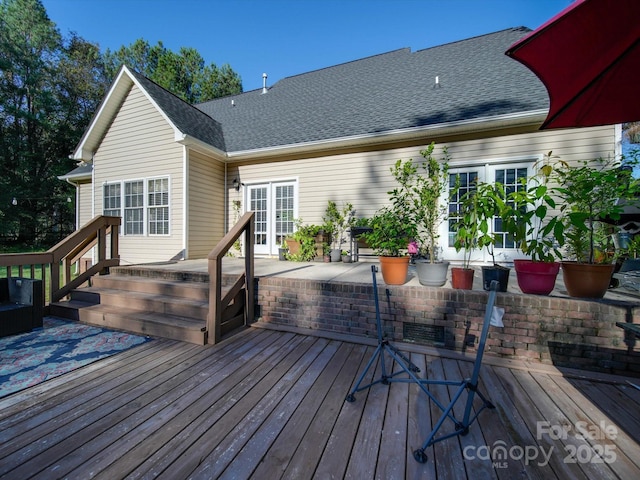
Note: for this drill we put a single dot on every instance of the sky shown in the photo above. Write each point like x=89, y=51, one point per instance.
x=283, y=38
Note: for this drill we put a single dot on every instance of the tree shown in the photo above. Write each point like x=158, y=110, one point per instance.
x=184, y=73
x=48, y=92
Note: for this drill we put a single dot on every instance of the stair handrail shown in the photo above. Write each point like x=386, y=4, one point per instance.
x=214, y=318
x=67, y=252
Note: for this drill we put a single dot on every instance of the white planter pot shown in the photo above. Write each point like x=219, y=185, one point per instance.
x=432, y=274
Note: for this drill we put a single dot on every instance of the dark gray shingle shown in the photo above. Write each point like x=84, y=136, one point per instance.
x=386, y=92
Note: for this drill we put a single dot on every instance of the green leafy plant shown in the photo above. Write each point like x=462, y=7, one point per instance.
x=419, y=193
x=528, y=217
x=391, y=232
x=478, y=209
x=590, y=192
x=337, y=221
x=307, y=236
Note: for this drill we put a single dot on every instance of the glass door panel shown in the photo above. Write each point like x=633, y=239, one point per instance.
x=259, y=205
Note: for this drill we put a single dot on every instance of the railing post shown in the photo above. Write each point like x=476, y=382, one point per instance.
x=102, y=244
x=115, y=245
x=214, y=327
x=249, y=273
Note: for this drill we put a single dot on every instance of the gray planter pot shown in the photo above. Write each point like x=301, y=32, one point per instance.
x=336, y=255
x=432, y=274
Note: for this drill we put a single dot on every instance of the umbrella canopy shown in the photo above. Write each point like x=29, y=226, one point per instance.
x=588, y=57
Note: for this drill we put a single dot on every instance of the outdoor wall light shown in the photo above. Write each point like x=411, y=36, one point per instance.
x=236, y=184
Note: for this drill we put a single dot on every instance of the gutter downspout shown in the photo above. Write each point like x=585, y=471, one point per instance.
x=226, y=200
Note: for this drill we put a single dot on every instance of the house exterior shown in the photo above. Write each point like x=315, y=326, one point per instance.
x=180, y=174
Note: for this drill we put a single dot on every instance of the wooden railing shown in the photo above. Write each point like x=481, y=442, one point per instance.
x=55, y=264
x=236, y=308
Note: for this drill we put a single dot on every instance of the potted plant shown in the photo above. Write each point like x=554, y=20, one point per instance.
x=467, y=229
x=346, y=256
x=589, y=193
x=282, y=251
x=337, y=222
x=484, y=205
x=390, y=232
x=420, y=191
x=536, y=232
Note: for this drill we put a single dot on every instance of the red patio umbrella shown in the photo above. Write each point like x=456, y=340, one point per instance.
x=588, y=57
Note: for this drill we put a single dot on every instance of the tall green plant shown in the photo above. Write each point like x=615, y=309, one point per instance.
x=529, y=217
x=590, y=192
x=337, y=221
x=419, y=193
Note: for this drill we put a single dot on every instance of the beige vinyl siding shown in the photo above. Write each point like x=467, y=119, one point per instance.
x=364, y=178
x=205, y=204
x=140, y=145
x=85, y=210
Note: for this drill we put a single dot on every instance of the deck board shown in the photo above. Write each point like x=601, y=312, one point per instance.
x=270, y=404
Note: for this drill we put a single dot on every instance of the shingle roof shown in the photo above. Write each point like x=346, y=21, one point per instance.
x=186, y=118
x=387, y=92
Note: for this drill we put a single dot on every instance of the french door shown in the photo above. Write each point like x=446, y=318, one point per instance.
x=463, y=180
x=275, y=208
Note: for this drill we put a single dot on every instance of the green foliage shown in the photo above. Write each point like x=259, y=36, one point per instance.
x=49, y=89
x=478, y=208
x=589, y=192
x=338, y=221
x=536, y=232
x=183, y=73
x=391, y=233
x=307, y=235
x=418, y=195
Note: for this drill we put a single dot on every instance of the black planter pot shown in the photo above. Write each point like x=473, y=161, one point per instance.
x=495, y=272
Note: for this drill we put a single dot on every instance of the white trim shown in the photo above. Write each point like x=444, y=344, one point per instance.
x=535, y=157
x=145, y=206
x=186, y=160
x=617, y=149
x=79, y=153
x=485, y=123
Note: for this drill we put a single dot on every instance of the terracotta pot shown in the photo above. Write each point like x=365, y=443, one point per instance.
x=394, y=269
x=536, y=278
x=462, y=278
x=586, y=280
x=294, y=246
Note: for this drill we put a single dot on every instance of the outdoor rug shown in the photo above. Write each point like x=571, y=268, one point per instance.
x=57, y=348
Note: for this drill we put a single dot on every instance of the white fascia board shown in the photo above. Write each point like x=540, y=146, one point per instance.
x=176, y=130
x=200, y=146
x=533, y=118
x=84, y=151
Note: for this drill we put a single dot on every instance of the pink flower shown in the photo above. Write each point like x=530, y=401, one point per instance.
x=412, y=247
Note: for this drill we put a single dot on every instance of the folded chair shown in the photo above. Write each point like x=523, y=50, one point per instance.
x=407, y=374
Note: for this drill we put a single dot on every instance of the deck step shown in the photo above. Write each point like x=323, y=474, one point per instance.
x=149, y=306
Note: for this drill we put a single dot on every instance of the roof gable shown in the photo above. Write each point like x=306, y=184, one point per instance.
x=186, y=120
x=470, y=82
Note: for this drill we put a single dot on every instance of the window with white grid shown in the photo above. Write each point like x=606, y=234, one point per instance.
x=158, y=206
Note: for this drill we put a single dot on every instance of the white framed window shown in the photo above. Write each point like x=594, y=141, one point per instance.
x=509, y=173
x=112, y=199
x=158, y=206
x=143, y=205
x=134, y=208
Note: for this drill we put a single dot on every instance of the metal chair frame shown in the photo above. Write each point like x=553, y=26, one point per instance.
x=407, y=368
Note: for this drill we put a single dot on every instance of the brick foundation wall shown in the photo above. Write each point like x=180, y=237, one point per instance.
x=560, y=331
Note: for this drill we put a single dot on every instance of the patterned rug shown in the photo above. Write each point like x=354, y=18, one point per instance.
x=57, y=348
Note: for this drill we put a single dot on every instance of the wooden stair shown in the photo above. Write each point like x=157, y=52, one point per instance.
x=168, y=308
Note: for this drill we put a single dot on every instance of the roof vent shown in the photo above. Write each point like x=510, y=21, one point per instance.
x=264, y=83
x=437, y=83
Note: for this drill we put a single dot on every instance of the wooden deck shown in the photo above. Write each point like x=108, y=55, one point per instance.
x=270, y=404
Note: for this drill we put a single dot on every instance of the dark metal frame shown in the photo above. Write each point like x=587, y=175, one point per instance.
x=409, y=371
